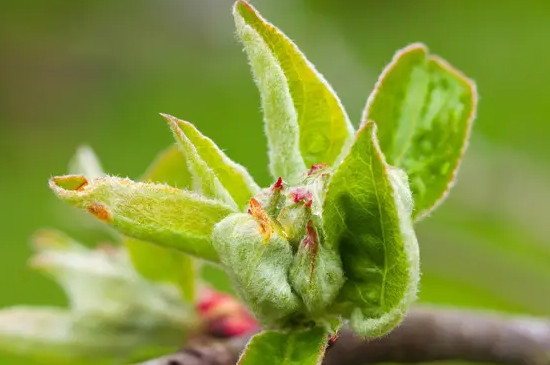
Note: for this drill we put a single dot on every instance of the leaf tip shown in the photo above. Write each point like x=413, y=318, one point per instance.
x=68, y=183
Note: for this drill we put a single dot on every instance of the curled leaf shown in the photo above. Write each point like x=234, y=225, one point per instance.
x=424, y=109
x=305, y=122
x=367, y=218
x=156, y=213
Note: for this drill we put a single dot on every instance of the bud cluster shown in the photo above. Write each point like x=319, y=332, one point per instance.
x=276, y=254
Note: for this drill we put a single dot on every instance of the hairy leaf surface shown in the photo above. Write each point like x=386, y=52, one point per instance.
x=424, y=109
x=294, y=348
x=204, y=178
x=156, y=262
x=234, y=177
x=305, y=121
x=366, y=217
x=156, y=213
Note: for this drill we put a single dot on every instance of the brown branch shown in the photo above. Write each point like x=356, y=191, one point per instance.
x=427, y=334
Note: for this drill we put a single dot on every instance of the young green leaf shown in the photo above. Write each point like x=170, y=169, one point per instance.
x=294, y=348
x=366, y=217
x=204, y=178
x=156, y=213
x=304, y=120
x=114, y=313
x=424, y=109
x=234, y=177
x=103, y=283
x=159, y=263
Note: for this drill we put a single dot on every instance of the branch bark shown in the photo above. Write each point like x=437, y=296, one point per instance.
x=427, y=334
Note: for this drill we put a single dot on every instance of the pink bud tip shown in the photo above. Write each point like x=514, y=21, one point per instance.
x=316, y=167
x=311, y=239
x=279, y=184
x=224, y=316
x=301, y=195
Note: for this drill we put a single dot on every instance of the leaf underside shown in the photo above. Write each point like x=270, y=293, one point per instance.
x=293, y=348
x=366, y=216
x=424, y=109
x=304, y=120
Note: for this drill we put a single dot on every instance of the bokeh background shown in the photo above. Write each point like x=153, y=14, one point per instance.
x=99, y=72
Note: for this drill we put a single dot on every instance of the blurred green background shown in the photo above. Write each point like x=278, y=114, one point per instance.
x=99, y=72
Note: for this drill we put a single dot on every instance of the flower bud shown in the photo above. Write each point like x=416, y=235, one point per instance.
x=273, y=198
x=257, y=259
x=295, y=214
x=316, y=273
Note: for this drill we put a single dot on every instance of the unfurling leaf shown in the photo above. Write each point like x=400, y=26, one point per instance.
x=366, y=218
x=305, y=122
x=424, y=109
x=234, y=177
x=156, y=262
x=156, y=213
x=293, y=348
x=257, y=262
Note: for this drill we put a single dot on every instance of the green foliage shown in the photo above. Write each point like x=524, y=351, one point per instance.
x=330, y=242
x=156, y=213
x=424, y=109
x=294, y=348
x=367, y=217
x=168, y=265
x=234, y=178
x=304, y=119
x=114, y=313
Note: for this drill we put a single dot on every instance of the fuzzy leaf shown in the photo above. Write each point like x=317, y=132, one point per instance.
x=424, y=109
x=156, y=213
x=103, y=283
x=159, y=263
x=367, y=218
x=204, y=177
x=115, y=314
x=294, y=348
x=233, y=177
x=305, y=122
